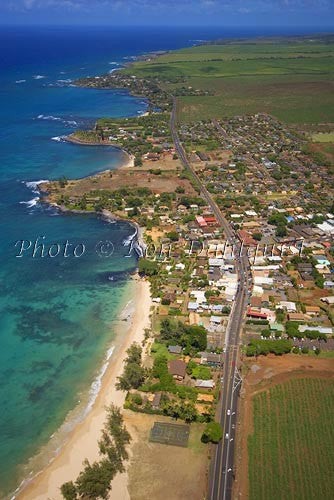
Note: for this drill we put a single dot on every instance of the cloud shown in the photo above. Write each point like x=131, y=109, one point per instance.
x=166, y=7
x=28, y=4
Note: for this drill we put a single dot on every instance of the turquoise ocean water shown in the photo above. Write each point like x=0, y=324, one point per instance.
x=58, y=316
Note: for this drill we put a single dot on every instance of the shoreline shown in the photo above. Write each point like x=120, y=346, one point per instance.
x=129, y=162
x=82, y=441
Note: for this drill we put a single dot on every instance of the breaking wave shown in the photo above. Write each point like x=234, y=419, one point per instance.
x=60, y=138
x=69, y=123
x=30, y=203
x=33, y=185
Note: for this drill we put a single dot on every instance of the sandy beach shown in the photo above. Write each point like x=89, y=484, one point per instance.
x=129, y=161
x=82, y=442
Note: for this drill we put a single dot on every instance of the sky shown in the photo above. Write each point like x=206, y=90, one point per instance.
x=232, y=13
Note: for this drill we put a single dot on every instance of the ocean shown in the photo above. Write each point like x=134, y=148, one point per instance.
x=58, y=315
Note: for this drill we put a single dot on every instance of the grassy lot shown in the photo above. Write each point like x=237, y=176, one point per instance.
x=323, y=137
x=292, y=81
x=239, y=68
x=323, y=151
x=161, y=350
x=293, y=102
x=323, y=354
x=291, y=447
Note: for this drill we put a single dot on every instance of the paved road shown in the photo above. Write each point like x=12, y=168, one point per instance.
x=222, y=464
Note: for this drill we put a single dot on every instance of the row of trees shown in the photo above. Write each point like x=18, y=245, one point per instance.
x=94, y=480
x=258, y=346
x=292, y=331
x=134, y=373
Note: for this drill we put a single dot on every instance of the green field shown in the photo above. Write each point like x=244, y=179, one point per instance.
x=291, y=449
x=321, y=137
x=293, y=81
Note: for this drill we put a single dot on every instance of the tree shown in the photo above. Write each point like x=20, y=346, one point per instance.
x=94, y=481
x=147, y=267
x=257, y=236
x=212, y=433
x=265, y=334
x=190, y=366
x=134, y=353
x=69, y=491
x=281, y=231
x=260, y=346
x=133, y=376
x=188, y=412
x=251, y=351
x=138, y=162
x=197, y=337
x=137, y=399
x=115, y=427
x=62, y=181
x=280, y=315
x=173, y=235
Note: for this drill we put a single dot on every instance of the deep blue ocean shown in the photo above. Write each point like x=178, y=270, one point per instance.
x=58, y=315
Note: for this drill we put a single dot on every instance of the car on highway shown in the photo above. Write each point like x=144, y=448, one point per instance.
x=226, y=435
x=228, y=412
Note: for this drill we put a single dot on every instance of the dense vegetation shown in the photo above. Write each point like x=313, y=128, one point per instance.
x=256, y=347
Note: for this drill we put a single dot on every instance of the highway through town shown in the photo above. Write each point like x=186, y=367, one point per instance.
x=221, y=475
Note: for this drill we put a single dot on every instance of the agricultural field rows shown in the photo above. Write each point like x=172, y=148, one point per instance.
x=291, y=453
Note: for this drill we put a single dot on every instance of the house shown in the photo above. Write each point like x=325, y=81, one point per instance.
x=328, y=300
x=216, y=262
x=175, y=349
x=277, y=327
x=312, y=310
x=247, y=238
x=256, y=314
x=205, y=384
x=288, y=306
x=177, y=369
x=211, y=359
x=320, y=329
x=263, y=280
x=321, y=260
x=210, y=220
x=216, y=320
x=296, y=317
x=201, y=221
x=152, y=156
